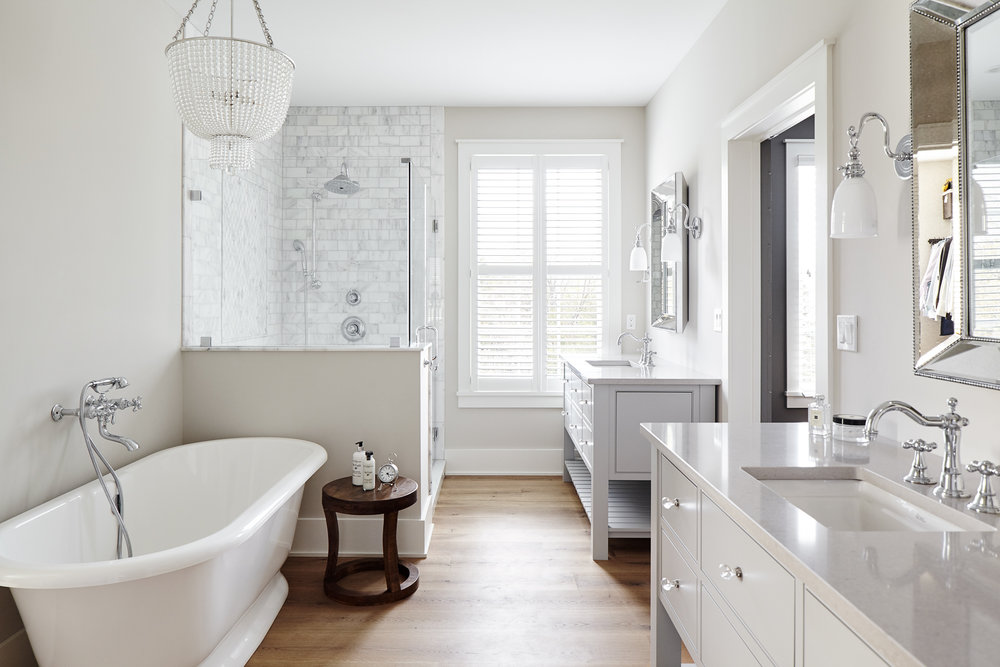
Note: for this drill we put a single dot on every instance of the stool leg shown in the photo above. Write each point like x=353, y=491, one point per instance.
x=333, y=535
x=390, y=553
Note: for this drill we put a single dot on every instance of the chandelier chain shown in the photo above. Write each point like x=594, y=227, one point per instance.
x=211, y=15
x=180, y=31
x=263, y=24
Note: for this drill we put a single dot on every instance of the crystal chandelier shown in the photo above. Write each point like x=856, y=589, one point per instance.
x=231, y=91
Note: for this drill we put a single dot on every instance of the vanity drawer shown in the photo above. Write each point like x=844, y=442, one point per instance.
x=761, y=592
x=678, y=590
x=722, y=646
x=679, y=505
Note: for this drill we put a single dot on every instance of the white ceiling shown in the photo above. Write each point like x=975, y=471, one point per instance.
x=472, y=52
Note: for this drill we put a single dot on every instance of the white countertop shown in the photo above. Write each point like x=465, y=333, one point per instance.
x=917, y=597
x=661, y=373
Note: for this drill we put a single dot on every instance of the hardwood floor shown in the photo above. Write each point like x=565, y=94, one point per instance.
x=508, y=579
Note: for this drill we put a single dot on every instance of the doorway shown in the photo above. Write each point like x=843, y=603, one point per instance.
x=788, y=273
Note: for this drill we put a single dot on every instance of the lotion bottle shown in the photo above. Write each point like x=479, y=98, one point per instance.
x=357, y=459
x=368, y=472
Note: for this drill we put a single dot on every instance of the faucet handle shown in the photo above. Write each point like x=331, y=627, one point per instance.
x=918, y=474
x=918, y=445
x=983, y=502
x=137, y=404
x=984, y=468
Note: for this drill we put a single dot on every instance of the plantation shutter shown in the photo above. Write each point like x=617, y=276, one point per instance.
x=539, y=228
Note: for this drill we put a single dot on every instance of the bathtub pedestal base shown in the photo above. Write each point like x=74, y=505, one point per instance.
x=401, y=579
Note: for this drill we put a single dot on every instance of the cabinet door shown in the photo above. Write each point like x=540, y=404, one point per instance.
x=631, y=450
x=830, y=643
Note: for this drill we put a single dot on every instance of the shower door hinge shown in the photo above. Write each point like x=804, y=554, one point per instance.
x=434, y=226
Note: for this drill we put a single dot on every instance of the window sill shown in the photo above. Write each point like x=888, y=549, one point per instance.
x=508, y=399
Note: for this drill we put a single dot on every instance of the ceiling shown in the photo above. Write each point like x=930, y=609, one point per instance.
x=471, y=52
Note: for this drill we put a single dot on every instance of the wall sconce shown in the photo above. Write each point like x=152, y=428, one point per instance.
x=854, y=213
x=638, y=261
x=691, y=223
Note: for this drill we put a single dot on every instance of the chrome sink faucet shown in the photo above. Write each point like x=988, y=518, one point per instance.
x=646, y=355
x=951, y=484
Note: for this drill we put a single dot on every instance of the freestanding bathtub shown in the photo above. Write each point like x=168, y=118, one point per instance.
x=211, y=523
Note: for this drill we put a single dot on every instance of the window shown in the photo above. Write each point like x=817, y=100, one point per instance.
x=800, y=314
x=535, y=230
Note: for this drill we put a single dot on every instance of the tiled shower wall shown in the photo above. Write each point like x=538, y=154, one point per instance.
x=361, y=239
x=232, y=234
x=243, y=281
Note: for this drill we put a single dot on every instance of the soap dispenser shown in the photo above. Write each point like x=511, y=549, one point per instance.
x=357, y=460
x=368, y=472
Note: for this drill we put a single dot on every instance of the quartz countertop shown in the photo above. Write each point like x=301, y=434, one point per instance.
x=661, y=373
x=928, y=598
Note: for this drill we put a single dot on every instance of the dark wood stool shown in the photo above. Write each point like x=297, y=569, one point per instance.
x=401, y=579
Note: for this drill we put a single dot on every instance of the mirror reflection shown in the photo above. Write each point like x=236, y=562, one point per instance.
x=668, y=254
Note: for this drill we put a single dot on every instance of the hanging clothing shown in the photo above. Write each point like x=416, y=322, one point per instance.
x=936, y=294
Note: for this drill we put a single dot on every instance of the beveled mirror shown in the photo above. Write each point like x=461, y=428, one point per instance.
x=955, y=109
x=668, y=254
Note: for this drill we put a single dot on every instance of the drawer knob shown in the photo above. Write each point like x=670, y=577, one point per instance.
x=584, y=401
x=669, y=584
x=670, y=503
x=585, y=442
x=730, y=573
x=564, y=413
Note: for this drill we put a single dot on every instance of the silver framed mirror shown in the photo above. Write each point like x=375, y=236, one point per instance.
x=955, y=108
x=668, y=256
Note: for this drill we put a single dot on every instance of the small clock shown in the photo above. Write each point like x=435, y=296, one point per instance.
x=388, y=473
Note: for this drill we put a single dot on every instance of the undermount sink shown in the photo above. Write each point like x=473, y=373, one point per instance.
x=609, y=362
x=853, y=499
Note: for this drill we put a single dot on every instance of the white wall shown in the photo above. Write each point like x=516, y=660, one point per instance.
x=90, y=259
x=530, y=440
x=749, y=43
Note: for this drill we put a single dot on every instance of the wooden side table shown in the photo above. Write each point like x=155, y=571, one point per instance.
x=401, y=579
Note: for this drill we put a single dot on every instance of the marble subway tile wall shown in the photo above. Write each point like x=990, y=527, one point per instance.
x=361, y=239
x=232, y=235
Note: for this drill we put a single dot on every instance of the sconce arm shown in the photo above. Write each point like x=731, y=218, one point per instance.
x=901, y=154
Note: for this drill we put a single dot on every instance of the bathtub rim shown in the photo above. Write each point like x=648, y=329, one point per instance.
x=19, y=574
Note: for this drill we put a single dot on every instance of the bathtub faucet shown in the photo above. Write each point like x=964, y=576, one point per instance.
x=103, y=409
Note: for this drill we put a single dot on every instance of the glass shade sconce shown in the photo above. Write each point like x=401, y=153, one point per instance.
x=854, y=213
x=638, y=260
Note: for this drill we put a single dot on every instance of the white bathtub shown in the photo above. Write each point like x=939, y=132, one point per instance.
x=211, y=523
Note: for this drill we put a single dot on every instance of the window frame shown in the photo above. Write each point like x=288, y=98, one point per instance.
x=468, y=395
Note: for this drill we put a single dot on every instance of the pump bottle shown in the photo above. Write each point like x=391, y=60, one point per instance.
x=357, y=459
x=368, y=472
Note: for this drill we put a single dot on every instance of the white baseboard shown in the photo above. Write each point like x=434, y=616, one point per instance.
x=504, y=461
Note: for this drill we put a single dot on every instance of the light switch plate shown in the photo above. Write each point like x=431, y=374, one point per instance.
x=717, y=319
x=847, y=333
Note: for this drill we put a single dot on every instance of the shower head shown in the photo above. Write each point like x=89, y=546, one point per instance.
x=342, y=183
x=298, y=245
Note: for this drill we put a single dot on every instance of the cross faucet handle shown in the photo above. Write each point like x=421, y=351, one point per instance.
x=984, y=468
x=984, y=501
x=918, y=470
x=919, y=445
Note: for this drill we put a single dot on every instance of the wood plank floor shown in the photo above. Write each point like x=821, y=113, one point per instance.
x=508, y=580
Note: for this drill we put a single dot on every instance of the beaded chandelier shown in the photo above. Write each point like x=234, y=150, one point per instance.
x=231, y=91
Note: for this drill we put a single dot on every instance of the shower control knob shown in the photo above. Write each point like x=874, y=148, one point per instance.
x=137, y=404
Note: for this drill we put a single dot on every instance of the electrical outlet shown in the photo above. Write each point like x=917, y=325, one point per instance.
x=847, y=333
x=717, y=320
x=630, y=323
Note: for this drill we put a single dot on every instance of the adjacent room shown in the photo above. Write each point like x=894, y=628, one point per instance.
x=473, y=334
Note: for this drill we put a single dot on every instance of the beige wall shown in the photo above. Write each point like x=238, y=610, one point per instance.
x=529, y=440
x=333, y=398
x=90, y=259
x=746, y=46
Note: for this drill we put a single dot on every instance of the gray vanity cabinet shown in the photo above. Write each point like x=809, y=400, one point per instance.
x=605, y=455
